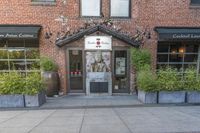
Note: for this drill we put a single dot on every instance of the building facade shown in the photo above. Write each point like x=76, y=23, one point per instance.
x=90, y=40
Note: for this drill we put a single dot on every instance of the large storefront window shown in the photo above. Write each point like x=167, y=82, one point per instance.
x=19, y=55
x=180, y=55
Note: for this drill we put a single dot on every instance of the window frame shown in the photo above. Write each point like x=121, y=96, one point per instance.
x=44, y=2
x=182, y=63
x=82, y=16
x=121, y=17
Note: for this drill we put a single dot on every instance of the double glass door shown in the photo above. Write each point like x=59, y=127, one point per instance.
x=98, y=71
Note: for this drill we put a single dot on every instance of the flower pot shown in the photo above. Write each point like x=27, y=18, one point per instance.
x=35, y=100
x=7, y=101
x=147, y=97
x=51, y=81
x=171, y=97
x=193, y=97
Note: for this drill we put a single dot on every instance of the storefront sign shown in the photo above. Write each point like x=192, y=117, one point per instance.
x=98, y=43
x=186, y=36
x=17, y=35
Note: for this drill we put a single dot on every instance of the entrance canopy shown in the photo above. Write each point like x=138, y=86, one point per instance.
x=178, y=33
x=93, y=29
x=19, y=31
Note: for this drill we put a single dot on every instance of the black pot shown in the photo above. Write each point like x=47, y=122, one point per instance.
x=51, y=81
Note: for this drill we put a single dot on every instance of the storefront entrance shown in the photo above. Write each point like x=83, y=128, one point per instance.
x=102, y=69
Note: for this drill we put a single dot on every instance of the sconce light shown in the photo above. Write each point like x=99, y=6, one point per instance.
x=181, y=50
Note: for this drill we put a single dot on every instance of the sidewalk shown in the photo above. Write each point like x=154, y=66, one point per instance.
x=103, y=120
x=74, y=101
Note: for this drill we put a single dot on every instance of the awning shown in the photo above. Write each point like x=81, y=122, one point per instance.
x=178, y=34
x=19, y=31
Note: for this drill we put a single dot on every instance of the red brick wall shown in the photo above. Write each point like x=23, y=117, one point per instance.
x=145, y=13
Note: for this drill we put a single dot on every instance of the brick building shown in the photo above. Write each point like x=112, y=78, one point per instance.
x=90, y=40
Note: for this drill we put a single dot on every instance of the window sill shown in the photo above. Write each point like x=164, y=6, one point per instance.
x=43, y=3
x=194, y=6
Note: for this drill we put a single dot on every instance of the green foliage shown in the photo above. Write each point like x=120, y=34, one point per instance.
x=168, y=80
x=140, y=58
x=11, y=83
x=15, y=83
x=192, y=81
x=34, y=84
x=47, y=64
x=146, y=81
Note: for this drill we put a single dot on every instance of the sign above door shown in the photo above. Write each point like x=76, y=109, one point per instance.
x=98, y=43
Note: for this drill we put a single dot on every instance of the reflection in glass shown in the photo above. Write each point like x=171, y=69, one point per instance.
x=4, y=65
x=32, y=53
x=33, y=65
x=3, y=54
x=17, y=65
x=16, y=53
x=162, y=58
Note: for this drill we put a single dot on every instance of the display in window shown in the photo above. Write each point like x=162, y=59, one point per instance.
x=120, y=66
x=98, y=61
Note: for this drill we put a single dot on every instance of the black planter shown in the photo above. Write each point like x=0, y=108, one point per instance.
x=51, y=81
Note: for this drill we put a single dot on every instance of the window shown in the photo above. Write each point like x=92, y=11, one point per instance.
x=90, y=8
x=43, y=0
x=19, y=55
x=180, y=55
x=120, y=8
x=195, y=2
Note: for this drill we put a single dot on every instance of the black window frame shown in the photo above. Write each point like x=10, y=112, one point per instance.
x=121, y=17
x=194, y=3
x=82, y=16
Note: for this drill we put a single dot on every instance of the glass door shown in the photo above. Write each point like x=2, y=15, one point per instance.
x=75, y=70
x=121, y=78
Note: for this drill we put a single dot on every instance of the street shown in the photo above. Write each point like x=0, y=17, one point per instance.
x=103, y=120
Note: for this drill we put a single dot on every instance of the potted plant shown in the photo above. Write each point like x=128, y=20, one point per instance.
x=34, y=90
x=11, y=90
x=147, y=86
x=50, y=76
x=170, y=86
x=192, y=85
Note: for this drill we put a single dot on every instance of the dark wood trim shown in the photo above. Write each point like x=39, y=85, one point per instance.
x=91, y=30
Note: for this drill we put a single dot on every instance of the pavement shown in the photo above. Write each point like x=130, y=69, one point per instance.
x=82, y=101
x=171, y=119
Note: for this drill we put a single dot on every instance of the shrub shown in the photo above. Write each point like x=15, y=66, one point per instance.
x=34, y=84
x=11, y=83
x=146, y=81
x=15, y=83
x=140, y=58
x=168, y=80
x=191, y=80
x=47, y=64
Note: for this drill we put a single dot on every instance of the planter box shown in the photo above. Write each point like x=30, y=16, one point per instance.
x=171, y=97
x=36, y=100
x=8, y=101
x=193, y=97
x=147, y=97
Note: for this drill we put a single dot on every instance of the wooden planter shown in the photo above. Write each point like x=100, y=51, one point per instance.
x=172, y=97
x=148, y=97
x=193, y=97
x=8, y=101
x=36, y=100
x=51, y=81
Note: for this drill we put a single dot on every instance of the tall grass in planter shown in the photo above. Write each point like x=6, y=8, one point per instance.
x=170, y=86
x=192, y=85
x=34, y=90
x=11, y=89
x=147, y=84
